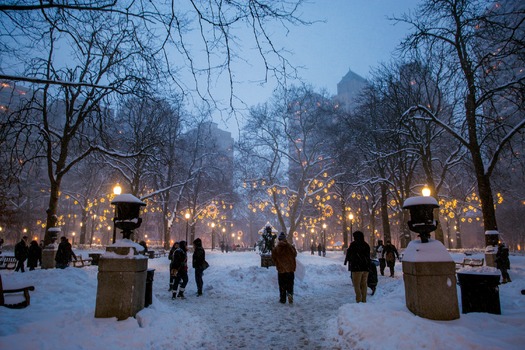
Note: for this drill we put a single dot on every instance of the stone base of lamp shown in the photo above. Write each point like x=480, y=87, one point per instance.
x=121, y=286
x=48, y=257
x=430, y=286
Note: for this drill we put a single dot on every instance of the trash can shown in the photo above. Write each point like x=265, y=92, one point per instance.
x=149, y=287
x=479, y=292
x=94, y=258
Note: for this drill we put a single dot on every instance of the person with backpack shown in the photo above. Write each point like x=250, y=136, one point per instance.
x=390, y=254
x=358, y=258
x=284, y=255
x=179, y=268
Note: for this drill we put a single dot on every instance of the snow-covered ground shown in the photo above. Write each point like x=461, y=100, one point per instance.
x=240, y=310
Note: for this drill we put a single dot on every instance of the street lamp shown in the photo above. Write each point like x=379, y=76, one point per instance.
x=187, y=216
x=324, y=238
x=351, y=218
x=116, y=191
x=212, y=235
x=73, y=239
x=425, y=191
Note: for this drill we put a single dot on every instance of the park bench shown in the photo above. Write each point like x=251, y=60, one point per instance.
x=7, y=262
x=14, y=296
x=470, y=262
x=81, y=262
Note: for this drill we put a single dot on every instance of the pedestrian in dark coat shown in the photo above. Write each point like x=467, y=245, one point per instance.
x=64, y=254
x=358, y=257
x=180, y=265
x=173, y=272
x=21, y=253
x=390, y=254
x=283, y=255
x=503, y=262
x=34, y=255
x=198, y=260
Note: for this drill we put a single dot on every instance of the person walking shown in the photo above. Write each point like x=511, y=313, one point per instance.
x=198, y=261
x=64, y=254
x=390, y=254
x=379, y=251
x=371, y=281
x=173, y=272
x=34, y=255
x=503, y=262
x=180, y=265
x=358, y=258
x=21, y=253
x=283, y=255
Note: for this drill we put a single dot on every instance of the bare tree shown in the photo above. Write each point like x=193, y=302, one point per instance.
x=480, y=44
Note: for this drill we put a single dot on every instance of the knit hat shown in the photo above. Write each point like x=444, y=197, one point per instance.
x=282, y=236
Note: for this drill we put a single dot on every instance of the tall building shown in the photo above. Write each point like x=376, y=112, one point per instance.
x=349, y=88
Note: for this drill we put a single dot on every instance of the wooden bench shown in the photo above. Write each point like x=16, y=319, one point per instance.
x=470, y=262
x=7, y=262
x=14, y=296
x=81, y=262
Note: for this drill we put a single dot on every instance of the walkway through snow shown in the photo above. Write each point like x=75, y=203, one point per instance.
x=240, y=304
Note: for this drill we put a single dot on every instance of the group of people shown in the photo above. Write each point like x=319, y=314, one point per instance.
x=363, y=269
x=32, y=252
x=321, y=249
x=179, y=267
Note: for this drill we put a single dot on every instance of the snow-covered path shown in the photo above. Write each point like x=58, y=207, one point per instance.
x=241, y=306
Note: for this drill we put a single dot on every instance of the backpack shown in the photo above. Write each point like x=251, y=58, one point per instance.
x=390, y=256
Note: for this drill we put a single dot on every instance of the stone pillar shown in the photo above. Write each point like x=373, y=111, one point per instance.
x=429, y=274
x=121, y=286
x=48, y=256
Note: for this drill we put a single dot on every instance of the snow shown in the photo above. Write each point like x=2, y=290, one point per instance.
x=240, y=309
x=420, y=200
x=433, y=250
x=127, y=198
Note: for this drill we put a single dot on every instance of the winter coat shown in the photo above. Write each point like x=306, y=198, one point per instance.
x=21, y=251
x=358, y=254
x=180, y=258
x=64, y=253
x=502, y=258
x=283, y=255
x=390, y=254
x=198, y=255
x=35, y=254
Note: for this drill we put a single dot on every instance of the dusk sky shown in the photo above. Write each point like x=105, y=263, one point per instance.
x=355, y=35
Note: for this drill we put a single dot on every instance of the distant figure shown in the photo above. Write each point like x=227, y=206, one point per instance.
x=143, y=244
x=64, y=254
x=21, y=252
x=358, y=258
x=503, y=262
x=199, y=256
x=390, y=254
x=173, y=273
x=222, y=247
x=379, y=251
x=312, y=249
x=284, y=254
x=180, y=265
x=1, y=244
x=324, y=250
x=319, y=249
x=34, y=255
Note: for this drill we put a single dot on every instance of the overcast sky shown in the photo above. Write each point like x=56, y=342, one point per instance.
x=354, y=35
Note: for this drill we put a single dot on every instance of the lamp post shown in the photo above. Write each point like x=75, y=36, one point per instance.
x=73, y=239
x=324, y=239
x=351, y=218
x=187, y=216
x=212, y=235
x=116, y=191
